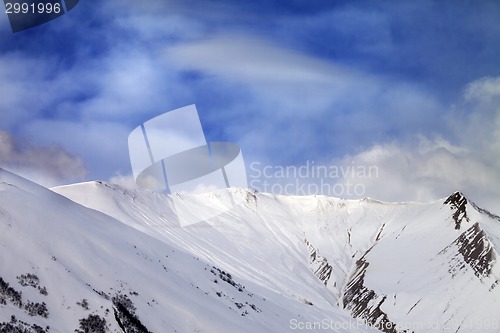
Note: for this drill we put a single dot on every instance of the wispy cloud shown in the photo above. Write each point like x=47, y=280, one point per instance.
x=302, y=104
x=248, y=59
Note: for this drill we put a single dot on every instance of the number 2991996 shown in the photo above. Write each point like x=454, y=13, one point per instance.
x=32, y=8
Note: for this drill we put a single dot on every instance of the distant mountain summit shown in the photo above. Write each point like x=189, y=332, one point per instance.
x=96, y=257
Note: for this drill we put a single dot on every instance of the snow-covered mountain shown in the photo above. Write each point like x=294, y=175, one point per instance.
x=118, y=260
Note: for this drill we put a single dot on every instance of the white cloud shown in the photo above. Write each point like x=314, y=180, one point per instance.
x=432, y=168
x=479, y=125
x=408, y=172
x=126, y=181
x=483, y=90
x=417, y=167
x=101, y=144
x=48, y=165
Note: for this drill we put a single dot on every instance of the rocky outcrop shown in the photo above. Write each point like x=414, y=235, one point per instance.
x=475, y=249
x=458, y=204
x=318, y=264
x=365, y=303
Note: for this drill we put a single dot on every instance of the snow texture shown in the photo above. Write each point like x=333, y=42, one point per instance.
x=96, y=257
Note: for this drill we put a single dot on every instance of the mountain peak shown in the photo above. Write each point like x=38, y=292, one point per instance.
x=458, y=204
x=457, y=195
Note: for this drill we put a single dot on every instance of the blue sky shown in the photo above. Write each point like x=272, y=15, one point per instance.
x=411, y=87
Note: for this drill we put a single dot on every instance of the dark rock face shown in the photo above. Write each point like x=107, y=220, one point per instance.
x=319, y=265
x=476, y=250
x=458, y=204
x=365, y=303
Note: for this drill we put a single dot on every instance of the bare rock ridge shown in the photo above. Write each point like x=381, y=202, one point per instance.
x=319, y=265
x=474, y=247
x=477, y=250
x=365, y=303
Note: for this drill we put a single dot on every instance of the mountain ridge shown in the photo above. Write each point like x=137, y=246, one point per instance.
x=262, y=262
x=340, y=269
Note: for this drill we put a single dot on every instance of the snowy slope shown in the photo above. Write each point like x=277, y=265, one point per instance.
x=398, y=266
x=67, y=268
